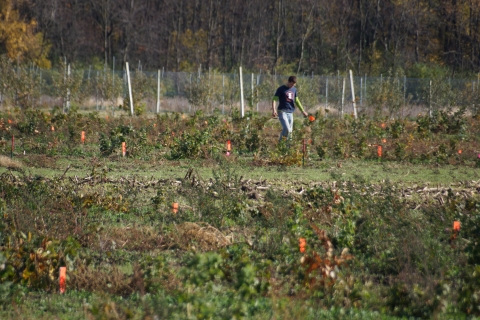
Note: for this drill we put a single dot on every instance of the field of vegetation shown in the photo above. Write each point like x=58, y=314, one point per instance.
x=352, y=220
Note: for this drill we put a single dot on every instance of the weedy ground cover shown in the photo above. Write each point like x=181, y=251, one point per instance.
x=378, y=233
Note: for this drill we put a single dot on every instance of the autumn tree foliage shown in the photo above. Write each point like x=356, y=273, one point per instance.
x=319, y=36
x=19, y=37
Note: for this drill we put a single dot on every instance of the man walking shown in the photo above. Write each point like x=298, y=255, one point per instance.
x=286, y=95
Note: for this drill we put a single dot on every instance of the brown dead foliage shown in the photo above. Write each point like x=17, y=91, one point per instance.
x=40, y=161
x=325, y=267
x=6, y=162
x=132, y=239
x=109, y=281
x=200, y=236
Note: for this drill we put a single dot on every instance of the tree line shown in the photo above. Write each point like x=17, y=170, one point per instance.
x=307, y=36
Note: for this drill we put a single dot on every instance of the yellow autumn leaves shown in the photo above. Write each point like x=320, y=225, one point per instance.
x=18, y=38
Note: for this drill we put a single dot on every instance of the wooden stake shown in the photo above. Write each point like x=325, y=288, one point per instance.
x=304, y=151
x=242, y=104
x=129, y=89
x=353, y=95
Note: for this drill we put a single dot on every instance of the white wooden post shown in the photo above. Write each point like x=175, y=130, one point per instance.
x=361, y=91
x=68, y=89
x=223, y=94
x=129, y=89
x=158, y=91
x=473, y=94
x=430, y=98
x=40, y=89
x=242, y=104
x=113, y=85
x=113, y=73
x=365, y=85
x=326, y=94
x=258, y=83
x=353, y=95
x=404, y=95
x=343, y=96
x=96, y=92
x=252, y=89
x=189, y=105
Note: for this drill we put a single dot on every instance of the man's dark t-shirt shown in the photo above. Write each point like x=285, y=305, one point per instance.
x=286, y=97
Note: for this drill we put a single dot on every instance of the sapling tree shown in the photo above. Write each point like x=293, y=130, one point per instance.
x=199, y=92
x=66, y=86
x=387, y=95
x=19, y=85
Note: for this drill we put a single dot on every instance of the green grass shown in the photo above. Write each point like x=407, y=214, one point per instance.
x=314, y=170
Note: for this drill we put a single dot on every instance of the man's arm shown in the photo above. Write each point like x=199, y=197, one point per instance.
x=299, y=105
x=274, y=111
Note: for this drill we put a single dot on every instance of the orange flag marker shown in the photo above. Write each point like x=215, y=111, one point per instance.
x=229, y=147
x=82, y=138
x=456, y=225
x=460, y=151
x=63, y=279
x=124, y=148
x=302, y=243
x=379, y=151
x=175, y=207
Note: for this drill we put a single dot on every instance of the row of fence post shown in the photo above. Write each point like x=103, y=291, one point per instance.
x=255, y=81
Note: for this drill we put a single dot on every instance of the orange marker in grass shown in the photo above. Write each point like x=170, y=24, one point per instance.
x=63, y=279
x=175, y=207
x=124, y=148
x=82, y=137
x=456, y=225
x=302, y=243
x=379, y=151
x=229, y=147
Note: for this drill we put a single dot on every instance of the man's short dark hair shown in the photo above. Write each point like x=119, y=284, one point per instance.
x=292, y=79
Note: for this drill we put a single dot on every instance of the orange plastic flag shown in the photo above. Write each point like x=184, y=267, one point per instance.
x=302, y=242
x=229, y=145
x=379, y=151
x=63, y=279
x=456, y=225
x=175, y=207
x=124, y=148
x=82, y=138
